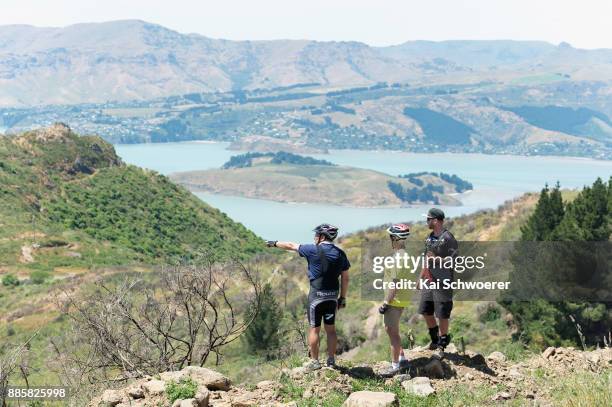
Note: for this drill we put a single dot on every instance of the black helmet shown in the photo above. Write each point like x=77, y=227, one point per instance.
x=399, y=230
x=327, y=230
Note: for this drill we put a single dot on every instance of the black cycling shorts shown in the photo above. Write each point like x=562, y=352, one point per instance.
x=442, y=309
x=325, y=310
x=322, y=304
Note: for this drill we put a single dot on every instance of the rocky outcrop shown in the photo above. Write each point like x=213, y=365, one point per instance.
x=212, y=389
x=427, y=374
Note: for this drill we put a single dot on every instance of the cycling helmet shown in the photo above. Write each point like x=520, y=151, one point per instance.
x=327, y=230
x=399, y=230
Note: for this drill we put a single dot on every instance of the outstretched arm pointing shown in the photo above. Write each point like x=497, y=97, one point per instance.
x=283, y=245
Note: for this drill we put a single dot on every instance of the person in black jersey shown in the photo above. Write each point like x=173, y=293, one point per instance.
x=439, y=245
x=327, y=264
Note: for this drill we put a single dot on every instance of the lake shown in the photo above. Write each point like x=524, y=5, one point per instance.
x=496, y=178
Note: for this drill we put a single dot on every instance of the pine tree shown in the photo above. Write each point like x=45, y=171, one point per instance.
x=547, y=215
x=587, y=219
x=262, y=336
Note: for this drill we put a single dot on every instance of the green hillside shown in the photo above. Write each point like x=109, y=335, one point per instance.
x=69, y=201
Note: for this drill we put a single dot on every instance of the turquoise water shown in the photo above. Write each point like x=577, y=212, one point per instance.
x=495, y=178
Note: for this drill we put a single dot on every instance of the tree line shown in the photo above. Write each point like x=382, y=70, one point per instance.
x=281, y=157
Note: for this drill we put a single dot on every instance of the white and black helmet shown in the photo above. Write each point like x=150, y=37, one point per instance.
x=325, y=229
x=399, y=230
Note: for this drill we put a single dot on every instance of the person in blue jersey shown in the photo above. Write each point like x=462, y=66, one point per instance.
x=328, y=274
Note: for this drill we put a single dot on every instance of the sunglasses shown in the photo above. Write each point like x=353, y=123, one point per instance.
x=428, y=219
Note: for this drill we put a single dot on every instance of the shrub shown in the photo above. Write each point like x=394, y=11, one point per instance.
x=186, y=388
x=10, y=280
x=488, y=312
x=39, y=276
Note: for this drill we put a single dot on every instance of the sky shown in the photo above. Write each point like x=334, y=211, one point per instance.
x=582, y=23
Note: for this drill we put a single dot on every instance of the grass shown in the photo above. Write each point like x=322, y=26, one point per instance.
x=577, y=389
x=584, y=389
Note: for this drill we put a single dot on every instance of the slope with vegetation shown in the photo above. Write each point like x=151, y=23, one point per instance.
x=73, y=317
x=68, y=200
x=490, y=362
x=76, y=221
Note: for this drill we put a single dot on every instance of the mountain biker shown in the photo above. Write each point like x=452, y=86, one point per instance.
x=395, y=301
x=439, y=244
x=327, y=263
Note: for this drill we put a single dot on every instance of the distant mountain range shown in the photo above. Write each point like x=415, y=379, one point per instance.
x=136, y=60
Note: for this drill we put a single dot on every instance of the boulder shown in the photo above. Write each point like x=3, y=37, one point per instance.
x=202, y=397
x=370, y=399
x=185, y=403
x=154, y=387
x=112, y=397
x=497, y=356
x=135, y=392
x=420, y=386
x=209, y=378
x=175, y=376
x=401, y=378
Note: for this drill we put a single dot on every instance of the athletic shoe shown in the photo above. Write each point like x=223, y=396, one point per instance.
x=444, y=341
x=331, y=362
x=312, y=365
x=389, y=371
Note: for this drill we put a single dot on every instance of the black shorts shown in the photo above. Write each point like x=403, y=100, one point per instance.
x=442, y=309
x=322, y=305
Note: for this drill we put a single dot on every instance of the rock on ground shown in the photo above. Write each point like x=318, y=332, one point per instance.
x=420, y=386
x=371, y=399
x=497, y=356
x=112, y=397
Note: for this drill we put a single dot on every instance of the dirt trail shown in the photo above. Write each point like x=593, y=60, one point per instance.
x=491, y=232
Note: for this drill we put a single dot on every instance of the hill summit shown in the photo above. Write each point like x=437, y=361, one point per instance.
x=69, y=200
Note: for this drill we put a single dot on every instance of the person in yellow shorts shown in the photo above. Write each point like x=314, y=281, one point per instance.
x=395, y=302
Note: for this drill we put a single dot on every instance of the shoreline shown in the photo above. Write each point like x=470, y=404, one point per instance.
x=437, y=153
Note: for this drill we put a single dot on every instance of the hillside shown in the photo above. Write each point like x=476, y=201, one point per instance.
x=69, y=202
x=269, y=178
x=483, y=365
x=466, y=376
x=541, y=117
x=132, y=59
x=132, y=82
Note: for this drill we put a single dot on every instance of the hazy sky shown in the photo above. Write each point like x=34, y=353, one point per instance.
x=583, y=23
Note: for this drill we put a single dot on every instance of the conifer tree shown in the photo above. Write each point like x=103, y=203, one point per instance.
x=585, y=220
x=262, y=336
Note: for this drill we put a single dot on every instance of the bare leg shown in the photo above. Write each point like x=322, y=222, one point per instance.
x=332, y=340
x=430, y=320
x=313, y=342
x=396, y=342
x=443, y=326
